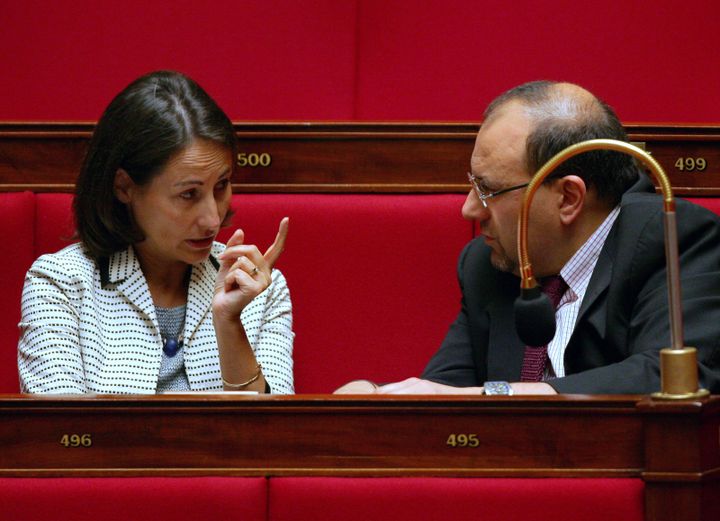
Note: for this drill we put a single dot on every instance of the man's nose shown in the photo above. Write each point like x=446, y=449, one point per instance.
x=473, y=209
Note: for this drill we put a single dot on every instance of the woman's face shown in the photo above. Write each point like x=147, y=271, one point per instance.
x=180, y=210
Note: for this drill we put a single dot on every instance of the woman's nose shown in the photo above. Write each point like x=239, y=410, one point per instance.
x=209, y=217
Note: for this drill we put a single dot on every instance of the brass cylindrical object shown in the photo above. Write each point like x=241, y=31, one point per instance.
x=679, y=375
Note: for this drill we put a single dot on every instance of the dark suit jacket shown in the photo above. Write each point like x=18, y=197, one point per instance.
x=623, y=320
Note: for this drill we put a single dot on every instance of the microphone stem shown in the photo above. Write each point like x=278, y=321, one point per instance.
x=673, y=279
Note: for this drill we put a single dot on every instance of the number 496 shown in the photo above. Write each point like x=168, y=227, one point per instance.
x=76, y=440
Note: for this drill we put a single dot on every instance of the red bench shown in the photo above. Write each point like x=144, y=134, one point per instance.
x=372, y=277
x=303, y=498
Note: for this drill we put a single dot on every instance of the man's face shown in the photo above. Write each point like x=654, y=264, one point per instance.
x=498, y=162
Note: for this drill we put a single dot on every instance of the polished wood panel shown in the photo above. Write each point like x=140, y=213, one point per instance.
x=319, y=435
x=682, y=459
x=673, y=446
x=342, y=157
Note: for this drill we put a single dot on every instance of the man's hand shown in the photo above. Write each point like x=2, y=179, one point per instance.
x=418, y=386
x=532, y=388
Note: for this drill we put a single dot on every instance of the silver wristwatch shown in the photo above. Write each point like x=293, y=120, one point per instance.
x=497, y=389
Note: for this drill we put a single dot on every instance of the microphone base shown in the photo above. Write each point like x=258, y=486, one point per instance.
x=679, y=375
x=700, y=393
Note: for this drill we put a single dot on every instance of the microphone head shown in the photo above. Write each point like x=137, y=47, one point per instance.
x=534, y=317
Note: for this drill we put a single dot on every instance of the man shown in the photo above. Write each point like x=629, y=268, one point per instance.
x=598, y=224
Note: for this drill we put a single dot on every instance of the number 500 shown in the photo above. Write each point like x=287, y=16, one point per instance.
x=253, y=159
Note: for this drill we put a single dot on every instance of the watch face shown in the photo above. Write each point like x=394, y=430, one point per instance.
x=498, y=388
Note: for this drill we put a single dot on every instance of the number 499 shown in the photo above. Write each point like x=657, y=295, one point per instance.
x=690, y=164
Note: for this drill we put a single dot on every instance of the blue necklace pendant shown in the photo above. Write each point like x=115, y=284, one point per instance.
x=171, y=346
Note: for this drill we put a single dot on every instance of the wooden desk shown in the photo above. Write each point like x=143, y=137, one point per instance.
x=674, y=447
x=346, y=157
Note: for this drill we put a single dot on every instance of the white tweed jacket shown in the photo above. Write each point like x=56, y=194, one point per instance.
x=90, y=327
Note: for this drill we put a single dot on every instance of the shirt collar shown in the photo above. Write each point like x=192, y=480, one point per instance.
x=578, y=270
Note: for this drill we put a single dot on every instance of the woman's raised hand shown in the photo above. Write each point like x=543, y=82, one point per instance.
x=244, y=272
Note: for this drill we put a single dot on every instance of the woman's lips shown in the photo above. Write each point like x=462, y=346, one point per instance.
x=201, y=244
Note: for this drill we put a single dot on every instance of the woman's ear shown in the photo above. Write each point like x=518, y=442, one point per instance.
x=123, y=186
x=572, y=191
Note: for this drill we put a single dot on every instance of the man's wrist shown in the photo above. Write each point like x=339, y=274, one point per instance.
x=497, y=388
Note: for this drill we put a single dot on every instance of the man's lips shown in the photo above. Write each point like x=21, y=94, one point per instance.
x=201, y=243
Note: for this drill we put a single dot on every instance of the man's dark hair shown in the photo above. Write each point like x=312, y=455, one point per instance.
x=560, y=119
x=149, y=121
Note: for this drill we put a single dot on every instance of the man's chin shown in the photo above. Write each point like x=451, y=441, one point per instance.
x=504, y=263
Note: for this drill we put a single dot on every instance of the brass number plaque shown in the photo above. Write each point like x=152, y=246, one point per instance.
x=73, y=441
x=691, y=164
x=463, y=440
x=253, y=159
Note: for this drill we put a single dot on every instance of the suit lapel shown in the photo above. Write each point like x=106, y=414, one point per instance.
x=506, y=352
x=602, y=274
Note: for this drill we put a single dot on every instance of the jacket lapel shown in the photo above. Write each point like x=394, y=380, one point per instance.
x=123, y=270
x=506, y=352
x=200, y=294
x=602, y=274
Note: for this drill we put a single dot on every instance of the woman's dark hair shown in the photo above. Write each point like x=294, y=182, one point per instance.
x=153, y=118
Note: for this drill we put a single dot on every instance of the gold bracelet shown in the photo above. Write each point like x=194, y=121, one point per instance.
x=244, y=384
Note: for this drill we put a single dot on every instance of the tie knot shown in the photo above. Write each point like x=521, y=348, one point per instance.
x=554, y=287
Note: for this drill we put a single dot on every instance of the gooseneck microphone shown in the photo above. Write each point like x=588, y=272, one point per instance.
x=534, y=313
x=534, y=317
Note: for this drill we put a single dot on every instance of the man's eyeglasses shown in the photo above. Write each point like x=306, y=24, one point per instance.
x=484, y=196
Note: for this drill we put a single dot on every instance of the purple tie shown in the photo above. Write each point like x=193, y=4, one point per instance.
x=533, y=368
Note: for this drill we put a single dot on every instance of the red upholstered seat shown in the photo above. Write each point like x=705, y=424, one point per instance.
x=54, y=224
x=372, y=278
x=136, y=499
x=16, y=220
x=458, y=499
x=711, y=203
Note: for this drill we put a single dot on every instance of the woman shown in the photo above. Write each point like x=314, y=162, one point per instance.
x=147, y=301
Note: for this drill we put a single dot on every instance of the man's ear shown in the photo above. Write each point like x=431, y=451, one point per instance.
x=123, y=186
x=573, y=191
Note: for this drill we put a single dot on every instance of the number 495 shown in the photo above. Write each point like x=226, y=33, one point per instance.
x=463, y=440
